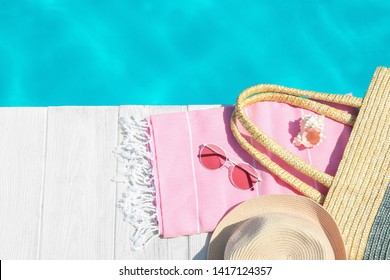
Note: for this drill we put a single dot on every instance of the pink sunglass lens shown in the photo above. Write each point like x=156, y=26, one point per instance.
x=244, y=176
x=212, y=157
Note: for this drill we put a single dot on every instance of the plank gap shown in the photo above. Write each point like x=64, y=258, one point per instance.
x=40, y=224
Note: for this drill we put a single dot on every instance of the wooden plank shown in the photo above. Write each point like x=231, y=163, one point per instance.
x=198, y=244
x=158, y=248
x=79, y=194
x=22, y=155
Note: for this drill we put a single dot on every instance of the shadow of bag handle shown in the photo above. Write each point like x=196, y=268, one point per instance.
x=301, y=98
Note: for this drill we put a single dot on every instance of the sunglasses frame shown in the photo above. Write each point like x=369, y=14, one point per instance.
x=234, y=165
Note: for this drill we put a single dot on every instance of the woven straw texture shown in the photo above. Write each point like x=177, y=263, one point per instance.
x=356, y=198
x=277, y=227
x=277, y=236
x=293, y=97
x=363, y=175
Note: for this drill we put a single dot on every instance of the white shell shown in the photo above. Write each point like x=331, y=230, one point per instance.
x=310, y=123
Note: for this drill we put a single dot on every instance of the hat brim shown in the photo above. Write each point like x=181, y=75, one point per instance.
x=299, y=205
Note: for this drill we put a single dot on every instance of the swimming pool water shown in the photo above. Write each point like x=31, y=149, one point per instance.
x=92, y=52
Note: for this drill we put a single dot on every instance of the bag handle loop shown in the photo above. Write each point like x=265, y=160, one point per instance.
x=300, y=98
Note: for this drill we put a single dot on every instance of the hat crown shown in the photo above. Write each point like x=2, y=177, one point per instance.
x=278, y=236
x=277, y=227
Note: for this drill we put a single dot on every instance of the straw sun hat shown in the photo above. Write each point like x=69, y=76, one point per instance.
x=277, y=227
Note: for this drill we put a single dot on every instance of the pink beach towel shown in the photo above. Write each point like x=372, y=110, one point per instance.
x=171, y=194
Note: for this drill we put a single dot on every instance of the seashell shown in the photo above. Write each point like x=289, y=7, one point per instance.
x=311, y=132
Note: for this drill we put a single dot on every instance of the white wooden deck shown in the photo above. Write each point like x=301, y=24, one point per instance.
x=57, y=196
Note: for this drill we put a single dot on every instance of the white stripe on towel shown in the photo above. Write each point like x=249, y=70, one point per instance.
x=193, y=172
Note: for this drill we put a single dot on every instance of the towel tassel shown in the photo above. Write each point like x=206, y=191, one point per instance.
x=138, y=201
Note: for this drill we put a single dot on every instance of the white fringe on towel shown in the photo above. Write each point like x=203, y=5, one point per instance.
x=138, y=201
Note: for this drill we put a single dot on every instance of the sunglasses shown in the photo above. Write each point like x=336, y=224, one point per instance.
x=242, y=175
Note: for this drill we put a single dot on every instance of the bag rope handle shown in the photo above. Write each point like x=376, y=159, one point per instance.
x=300, y=98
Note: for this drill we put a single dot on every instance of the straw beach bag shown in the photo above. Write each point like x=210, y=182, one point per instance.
x=359, y=195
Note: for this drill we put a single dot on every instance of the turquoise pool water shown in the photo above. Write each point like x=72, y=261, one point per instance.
x=92, y=52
